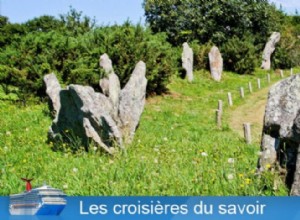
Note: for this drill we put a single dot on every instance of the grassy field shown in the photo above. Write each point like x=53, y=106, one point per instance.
x=177, y=149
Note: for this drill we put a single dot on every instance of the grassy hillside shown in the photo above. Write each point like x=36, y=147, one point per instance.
x=177, y=149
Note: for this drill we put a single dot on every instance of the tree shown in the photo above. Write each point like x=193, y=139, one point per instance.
x=215, y=20
x=43, y=23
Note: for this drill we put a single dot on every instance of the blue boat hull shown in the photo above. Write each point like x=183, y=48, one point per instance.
x=50, y=210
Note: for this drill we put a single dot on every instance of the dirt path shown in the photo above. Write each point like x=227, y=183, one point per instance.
x=251, y=111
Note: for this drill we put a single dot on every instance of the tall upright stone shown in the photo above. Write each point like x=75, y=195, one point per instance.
x=187, y=58
x=110, y=84
x=281, y=131
x=106, y=119
x=132, y=101
x=53, y=90
x=215, y=63
x=269, y=49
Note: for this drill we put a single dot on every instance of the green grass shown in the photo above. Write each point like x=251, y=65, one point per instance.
x=177, y=149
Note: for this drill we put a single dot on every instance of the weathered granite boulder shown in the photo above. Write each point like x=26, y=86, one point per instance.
x=215, y=63
x=269, y=49
x=110, y=84
x=132, y=101
x=107, y=119
x=187, y=58
x=53, y=90
x=281, y=131
x=282, y=108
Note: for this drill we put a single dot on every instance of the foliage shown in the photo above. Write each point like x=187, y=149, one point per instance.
x=71, y=46
x=127, y=44
x=214, y=20
x=239, y=55
x=287, y=53
x=201, y=51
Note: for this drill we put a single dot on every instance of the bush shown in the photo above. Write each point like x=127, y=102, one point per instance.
x=75, y=57
x=128, y=44
x=239, y=55
x=287, y=52
x=201, y=60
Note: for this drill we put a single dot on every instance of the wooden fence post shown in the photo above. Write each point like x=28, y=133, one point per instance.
x=269, y=78
x=229, y=99
x=292, y=71
x=258, y=83
x=281, y=74
x=250, y=87
x=247, y=133
x=219, y=113
x=242, y=92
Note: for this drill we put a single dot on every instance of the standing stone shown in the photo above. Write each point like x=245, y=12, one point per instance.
x=132, y=101
x=106, y=119
x=53, y=90
x=215, y=63
x=187, y=58
x=269, y=49
x=110, y=84
x=281, y=130
x=282, y=107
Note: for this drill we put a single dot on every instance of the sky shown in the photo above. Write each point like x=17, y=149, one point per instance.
x=106, y=12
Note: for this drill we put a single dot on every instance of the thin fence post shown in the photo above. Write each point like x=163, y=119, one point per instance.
x=229, y=99
x=250, y=87
x=220, y=105
x=269, y=78
x=219, y=113
x=281, y=74
x=242, y=92
x=258, y=83
x=247, y=133
x=292, y=71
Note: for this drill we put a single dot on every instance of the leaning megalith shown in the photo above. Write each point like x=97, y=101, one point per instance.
x=215, y=63
x=269, y=49
x=281, y=131
x=108, y=119
x=187, y=59
x=132, y=101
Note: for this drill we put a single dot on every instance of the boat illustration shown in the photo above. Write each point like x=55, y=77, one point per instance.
x=44, y=200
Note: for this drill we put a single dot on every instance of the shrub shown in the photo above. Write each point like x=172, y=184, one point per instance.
x=75, y=57
x=239, y=55
x=287, y=52
x=201, y=51
x=127, y=44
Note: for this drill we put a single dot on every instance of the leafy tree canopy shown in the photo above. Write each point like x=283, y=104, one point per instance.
x=214, y=20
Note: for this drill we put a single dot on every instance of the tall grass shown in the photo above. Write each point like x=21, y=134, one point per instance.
x=177, y=149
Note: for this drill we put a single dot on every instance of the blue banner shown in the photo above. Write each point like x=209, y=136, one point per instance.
x=169, y=208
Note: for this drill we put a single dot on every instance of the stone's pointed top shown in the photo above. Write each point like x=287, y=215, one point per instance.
x=275, y=36
x=140, y=68
x=214, y=49
x=105, y=63
x=185, y=44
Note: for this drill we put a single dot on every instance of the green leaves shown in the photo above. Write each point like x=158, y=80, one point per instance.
x=215, y=20
x=71, y=47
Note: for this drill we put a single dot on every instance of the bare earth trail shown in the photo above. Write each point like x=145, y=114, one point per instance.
x=252, y=111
